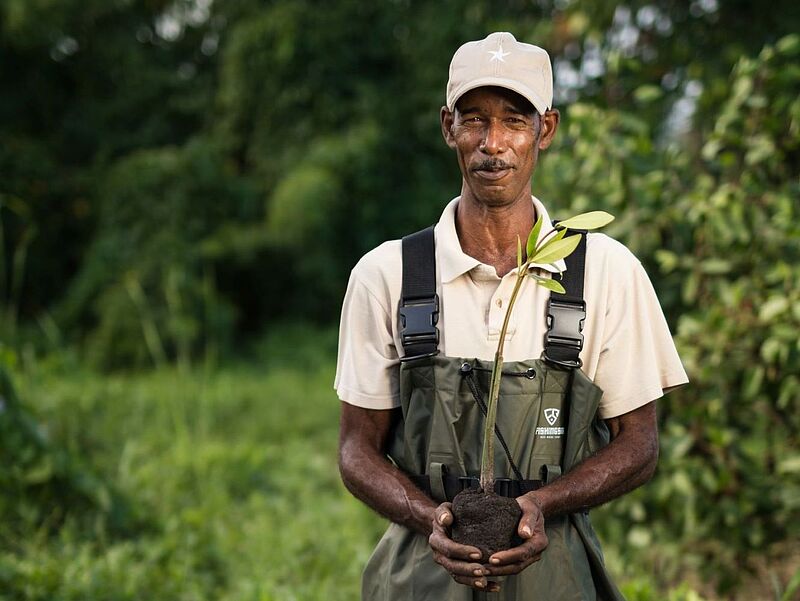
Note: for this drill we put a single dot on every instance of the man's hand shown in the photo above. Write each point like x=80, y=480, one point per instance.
x=461, y=560
x=531, y=531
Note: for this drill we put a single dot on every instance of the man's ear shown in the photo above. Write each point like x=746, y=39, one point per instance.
x=447, y=118
x=549, y=124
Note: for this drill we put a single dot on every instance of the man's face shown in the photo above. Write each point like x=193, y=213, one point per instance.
x=497, y=135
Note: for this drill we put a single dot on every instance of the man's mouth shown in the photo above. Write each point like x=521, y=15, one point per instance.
x=493, y=175
x=492, y=170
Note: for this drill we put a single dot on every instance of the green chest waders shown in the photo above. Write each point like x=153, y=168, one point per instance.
x=548, y=422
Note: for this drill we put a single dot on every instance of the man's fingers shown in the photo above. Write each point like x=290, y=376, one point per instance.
x=515, y=560
x=516, y=556
x=462, y=569
x=468, y=574
x=530, y=525
x=481, y=584
x=525, y=528
x=444, y=515
x=440, y=542
x=513, y=568
x=532, y=519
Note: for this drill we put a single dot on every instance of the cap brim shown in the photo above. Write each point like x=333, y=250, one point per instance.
x=539, y=104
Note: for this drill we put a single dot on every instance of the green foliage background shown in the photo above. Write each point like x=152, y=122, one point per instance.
x=181, y=178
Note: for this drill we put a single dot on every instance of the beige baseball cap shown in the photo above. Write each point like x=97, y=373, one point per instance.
x=500, y=60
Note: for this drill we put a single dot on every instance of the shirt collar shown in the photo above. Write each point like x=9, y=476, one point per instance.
x=453, y=262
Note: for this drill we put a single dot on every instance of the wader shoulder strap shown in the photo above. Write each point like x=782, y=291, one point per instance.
x=567, y=312
x=419, y=303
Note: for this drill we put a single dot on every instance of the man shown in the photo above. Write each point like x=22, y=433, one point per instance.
x=407, y=431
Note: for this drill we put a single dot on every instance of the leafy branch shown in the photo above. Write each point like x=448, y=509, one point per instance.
x=553, y=246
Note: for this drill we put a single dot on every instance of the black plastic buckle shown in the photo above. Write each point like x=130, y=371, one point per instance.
x=418, y=319
x=505, y=487
x=565, y=326
x=465, y=482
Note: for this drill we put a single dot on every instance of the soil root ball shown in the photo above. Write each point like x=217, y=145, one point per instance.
x=486, y=521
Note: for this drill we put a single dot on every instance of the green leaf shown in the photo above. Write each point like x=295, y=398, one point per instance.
x=553, y=285
x=587, y=221
x=560, y=234
x=548, y=239
x=792, y=587
x=647, y=93
x=715, y=266
x=41, y=472
x=519, y=252
x=772, y=308
x=789, y=45
x=557, y=249
x=789, y=465
x=533, y=237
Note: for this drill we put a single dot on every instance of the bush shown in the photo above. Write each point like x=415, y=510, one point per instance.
x=147, y=290
x=720, y=236
x=43, y=484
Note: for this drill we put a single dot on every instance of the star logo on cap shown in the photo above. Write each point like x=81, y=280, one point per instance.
x=497, y=55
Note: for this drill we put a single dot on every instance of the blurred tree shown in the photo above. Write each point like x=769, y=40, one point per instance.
x=323, y=125
x=83, y=84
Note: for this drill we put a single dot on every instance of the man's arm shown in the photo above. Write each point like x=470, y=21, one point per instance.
x=627, y=462
x=371, y=477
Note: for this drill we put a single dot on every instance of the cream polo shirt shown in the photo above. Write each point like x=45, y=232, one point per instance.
x=628, y=350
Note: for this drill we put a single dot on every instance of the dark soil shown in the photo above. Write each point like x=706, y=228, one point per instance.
x=485, y=520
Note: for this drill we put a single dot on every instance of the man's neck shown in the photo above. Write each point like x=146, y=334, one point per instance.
x=489, y=234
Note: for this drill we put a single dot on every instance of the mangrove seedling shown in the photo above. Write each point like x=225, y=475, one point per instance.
x=481, y=518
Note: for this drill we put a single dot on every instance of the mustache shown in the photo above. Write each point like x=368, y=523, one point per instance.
x=491, y=165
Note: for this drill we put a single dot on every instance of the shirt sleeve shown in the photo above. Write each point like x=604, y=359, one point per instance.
x=367, y=370
x=638, y=360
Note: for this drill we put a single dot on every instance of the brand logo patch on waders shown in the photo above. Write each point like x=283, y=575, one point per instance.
x=552, y=431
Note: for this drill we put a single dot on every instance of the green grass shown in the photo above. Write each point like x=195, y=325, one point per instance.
x=230, y=483
x=221, y=484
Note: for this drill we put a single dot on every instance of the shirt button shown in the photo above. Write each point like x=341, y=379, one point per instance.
x=499, y=302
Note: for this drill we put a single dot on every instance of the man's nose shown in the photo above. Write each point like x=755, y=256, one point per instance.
x=493, y=139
